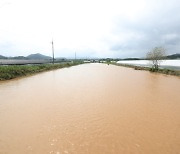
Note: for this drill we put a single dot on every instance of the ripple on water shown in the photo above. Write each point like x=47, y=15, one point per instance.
x=91, y=108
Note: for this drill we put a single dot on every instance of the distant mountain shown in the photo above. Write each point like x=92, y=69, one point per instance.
x=18, y=57
x=30, y=57
x=3, y=57
x=174, y=56
x=132, y=59
x=38, y=56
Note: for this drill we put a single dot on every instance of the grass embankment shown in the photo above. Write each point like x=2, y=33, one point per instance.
x=163, y=71
x=14, y=71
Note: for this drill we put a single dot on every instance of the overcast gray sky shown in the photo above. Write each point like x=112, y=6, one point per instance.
x=91, y=28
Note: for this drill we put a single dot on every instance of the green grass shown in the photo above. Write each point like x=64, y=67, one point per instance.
x=14, y=71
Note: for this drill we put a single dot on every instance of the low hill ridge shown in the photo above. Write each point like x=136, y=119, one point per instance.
x=38, y=56
x=30, y=57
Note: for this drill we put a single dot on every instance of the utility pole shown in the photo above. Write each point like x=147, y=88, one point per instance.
x=75, y=56
x=53, y=51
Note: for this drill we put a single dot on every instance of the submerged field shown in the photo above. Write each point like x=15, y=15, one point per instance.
x=91, y=109
x=8, y=72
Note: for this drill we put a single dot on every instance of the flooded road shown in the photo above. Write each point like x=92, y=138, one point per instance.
x=91, y=109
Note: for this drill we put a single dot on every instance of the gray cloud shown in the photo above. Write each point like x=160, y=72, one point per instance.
x=6, y=47
x=100, y=29
x=160, y=28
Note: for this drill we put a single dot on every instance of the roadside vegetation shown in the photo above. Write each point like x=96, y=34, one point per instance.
x=14, y=71
x=159, y=70
x=155, y=56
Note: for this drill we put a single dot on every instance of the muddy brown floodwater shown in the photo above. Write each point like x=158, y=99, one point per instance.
x=91, y=109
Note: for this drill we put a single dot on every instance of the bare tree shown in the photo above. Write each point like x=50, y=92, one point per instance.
x=156, y=55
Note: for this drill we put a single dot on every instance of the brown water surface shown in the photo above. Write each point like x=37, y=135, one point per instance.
x=91, y=109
